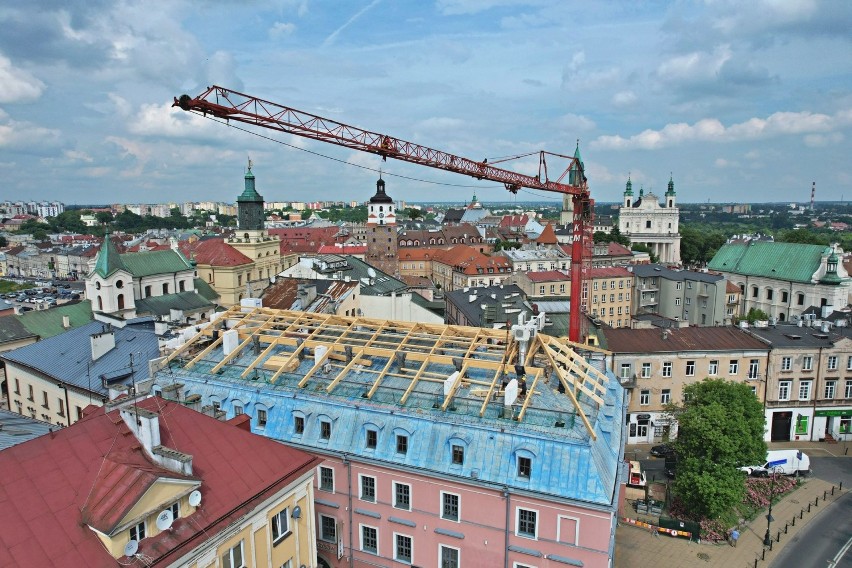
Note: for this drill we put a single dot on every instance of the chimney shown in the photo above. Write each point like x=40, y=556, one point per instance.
x=665, y=334
x=66, y=322
x=102, y=343
x=145, y=425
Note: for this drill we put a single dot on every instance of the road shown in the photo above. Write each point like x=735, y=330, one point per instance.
x=825, y=543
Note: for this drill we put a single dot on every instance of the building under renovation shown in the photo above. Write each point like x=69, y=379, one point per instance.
x=443, y=445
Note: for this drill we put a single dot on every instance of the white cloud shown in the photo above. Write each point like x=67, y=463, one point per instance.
x=712, y=130
x=164, y=120
x=280, y=29
x=822, y=140
x=16, y=85
x=25, y=135
x=624, y=98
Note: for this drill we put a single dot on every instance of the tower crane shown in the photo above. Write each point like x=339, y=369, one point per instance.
x=230, y=105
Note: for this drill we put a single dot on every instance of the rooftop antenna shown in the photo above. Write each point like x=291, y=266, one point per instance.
x=131, y=548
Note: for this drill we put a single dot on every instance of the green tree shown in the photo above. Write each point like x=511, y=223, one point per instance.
x=413, y=213
x=803, y=236
x=40, y=235
x=104, y=217
x=720, y=427
x=645, y=248
x=4, y=242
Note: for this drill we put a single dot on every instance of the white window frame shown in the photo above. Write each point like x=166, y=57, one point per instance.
x=667, y=369
x=319, y=479
x=665, y=396
x=626, y=370
x=830, y=389
x=786, y=363
x=646, y=370
x=848, y=391
x=808, y=363
x=734, y=367
x=713, y=368
x=831, y=363
x=805, y=389
x=689, y=368
x=229, y=562
x=644, y=397
x=441, y=548
x=443, y=507
x=753, y=368
x=361, y=527
x=262, y=418
x=279, y=518
x=518, y=532
x=394, y=495
x=576, y=529
x=138, y=531
x=361, y=478
x=849, y=363
x=396, y=557
x=784, y=390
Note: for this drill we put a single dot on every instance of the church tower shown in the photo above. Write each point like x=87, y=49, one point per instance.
x=628, y=193
x=253, y=240
x=382, y=231
x=670, y=193
x=576, y=175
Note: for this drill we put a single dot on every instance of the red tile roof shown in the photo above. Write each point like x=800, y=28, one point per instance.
x=610, y=272
x=468, y=260
x=731, y=288
x=547, y=236
x=342, y=248
x=213, y=252
x=547, y=276
x=46, y=483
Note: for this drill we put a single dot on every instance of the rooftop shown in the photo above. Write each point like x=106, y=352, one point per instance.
x=651, y=270
x=682, y=339
x=402, y=375
x=785, y=261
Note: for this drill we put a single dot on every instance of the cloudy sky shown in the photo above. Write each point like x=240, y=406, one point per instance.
x=738, y=101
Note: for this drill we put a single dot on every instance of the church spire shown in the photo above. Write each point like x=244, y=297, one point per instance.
x=577, y=175
x=670, y=193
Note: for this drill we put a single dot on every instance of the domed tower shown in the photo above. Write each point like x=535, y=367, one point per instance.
x=576, y=175
x=382, y=231
x=670, y=193
x=628, y=193
x=250, y=206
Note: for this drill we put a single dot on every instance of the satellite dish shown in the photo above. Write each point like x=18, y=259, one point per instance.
x=195, y=498
x=511, y=393
x=371, y=273
x=297, y=512
x=165, y=520
x=131, y=548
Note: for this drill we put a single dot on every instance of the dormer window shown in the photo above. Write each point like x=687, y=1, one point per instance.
x=137, y=532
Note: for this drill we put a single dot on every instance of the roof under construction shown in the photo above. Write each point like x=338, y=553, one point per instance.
x=402, y=363
x=416, y=377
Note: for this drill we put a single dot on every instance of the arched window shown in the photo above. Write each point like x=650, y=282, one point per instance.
x=120, y=299
x=100, y=304
x=119, y=284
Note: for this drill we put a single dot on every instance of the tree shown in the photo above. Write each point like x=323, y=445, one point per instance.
x=645, y=248
x=413, y=213
x=104, y=217
x=720, y=427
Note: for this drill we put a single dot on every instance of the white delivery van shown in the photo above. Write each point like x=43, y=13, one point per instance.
x=782, y=462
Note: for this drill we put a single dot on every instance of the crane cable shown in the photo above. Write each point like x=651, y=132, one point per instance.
x=381, y=172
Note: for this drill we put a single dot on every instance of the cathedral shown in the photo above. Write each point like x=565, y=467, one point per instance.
x=648, y=223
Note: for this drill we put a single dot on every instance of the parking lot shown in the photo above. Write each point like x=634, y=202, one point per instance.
x=41, y=297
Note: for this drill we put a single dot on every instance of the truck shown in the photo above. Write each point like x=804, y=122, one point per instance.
x=636, y=477
x=784, y=462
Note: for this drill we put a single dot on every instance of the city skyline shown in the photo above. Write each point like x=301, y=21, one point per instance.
x=724, y=96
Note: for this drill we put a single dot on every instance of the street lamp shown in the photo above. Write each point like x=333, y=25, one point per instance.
x=767, y=540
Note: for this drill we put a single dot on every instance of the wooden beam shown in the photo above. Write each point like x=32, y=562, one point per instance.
x=569, y=392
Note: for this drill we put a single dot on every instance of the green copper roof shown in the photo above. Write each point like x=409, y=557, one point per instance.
x=785, y=261
x=249, y=194
x=670, y=190
x=628, y=190
x=142, y=264
x=189, y=302
x=47, y=323
x=575, y=169
x=109, y=261
x=205, y=290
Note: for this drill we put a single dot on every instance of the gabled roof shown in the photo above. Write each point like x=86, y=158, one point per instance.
x=783, y=261
x=142, y=264
x=16, y=429
x=41, y=324
x=205, y=290
x=188, y=302
x=214, y=252
x=547, y=236
x=109, y=261
x=47, y=482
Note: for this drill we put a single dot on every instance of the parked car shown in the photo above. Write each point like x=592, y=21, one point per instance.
x=22, y=298
x=662, y=450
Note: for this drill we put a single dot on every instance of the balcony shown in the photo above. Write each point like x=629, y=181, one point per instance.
x=628, y=382
x=648, y=300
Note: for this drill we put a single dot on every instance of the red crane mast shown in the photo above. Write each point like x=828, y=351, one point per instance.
x=232, y=105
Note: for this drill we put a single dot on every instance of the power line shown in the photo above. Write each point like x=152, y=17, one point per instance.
x=383, y=172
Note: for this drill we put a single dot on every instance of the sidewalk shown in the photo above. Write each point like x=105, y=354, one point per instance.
x=639, y=548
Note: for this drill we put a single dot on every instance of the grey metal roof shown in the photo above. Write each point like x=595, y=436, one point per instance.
x=382, y=285
x=497, y=298
x=790, y=335
x=650, y=270
x=15, y=429
x=68, y=357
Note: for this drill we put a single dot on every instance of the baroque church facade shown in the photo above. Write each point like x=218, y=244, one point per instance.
x=647, y=222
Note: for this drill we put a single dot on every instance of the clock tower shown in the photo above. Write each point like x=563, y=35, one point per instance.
x=382, y=231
